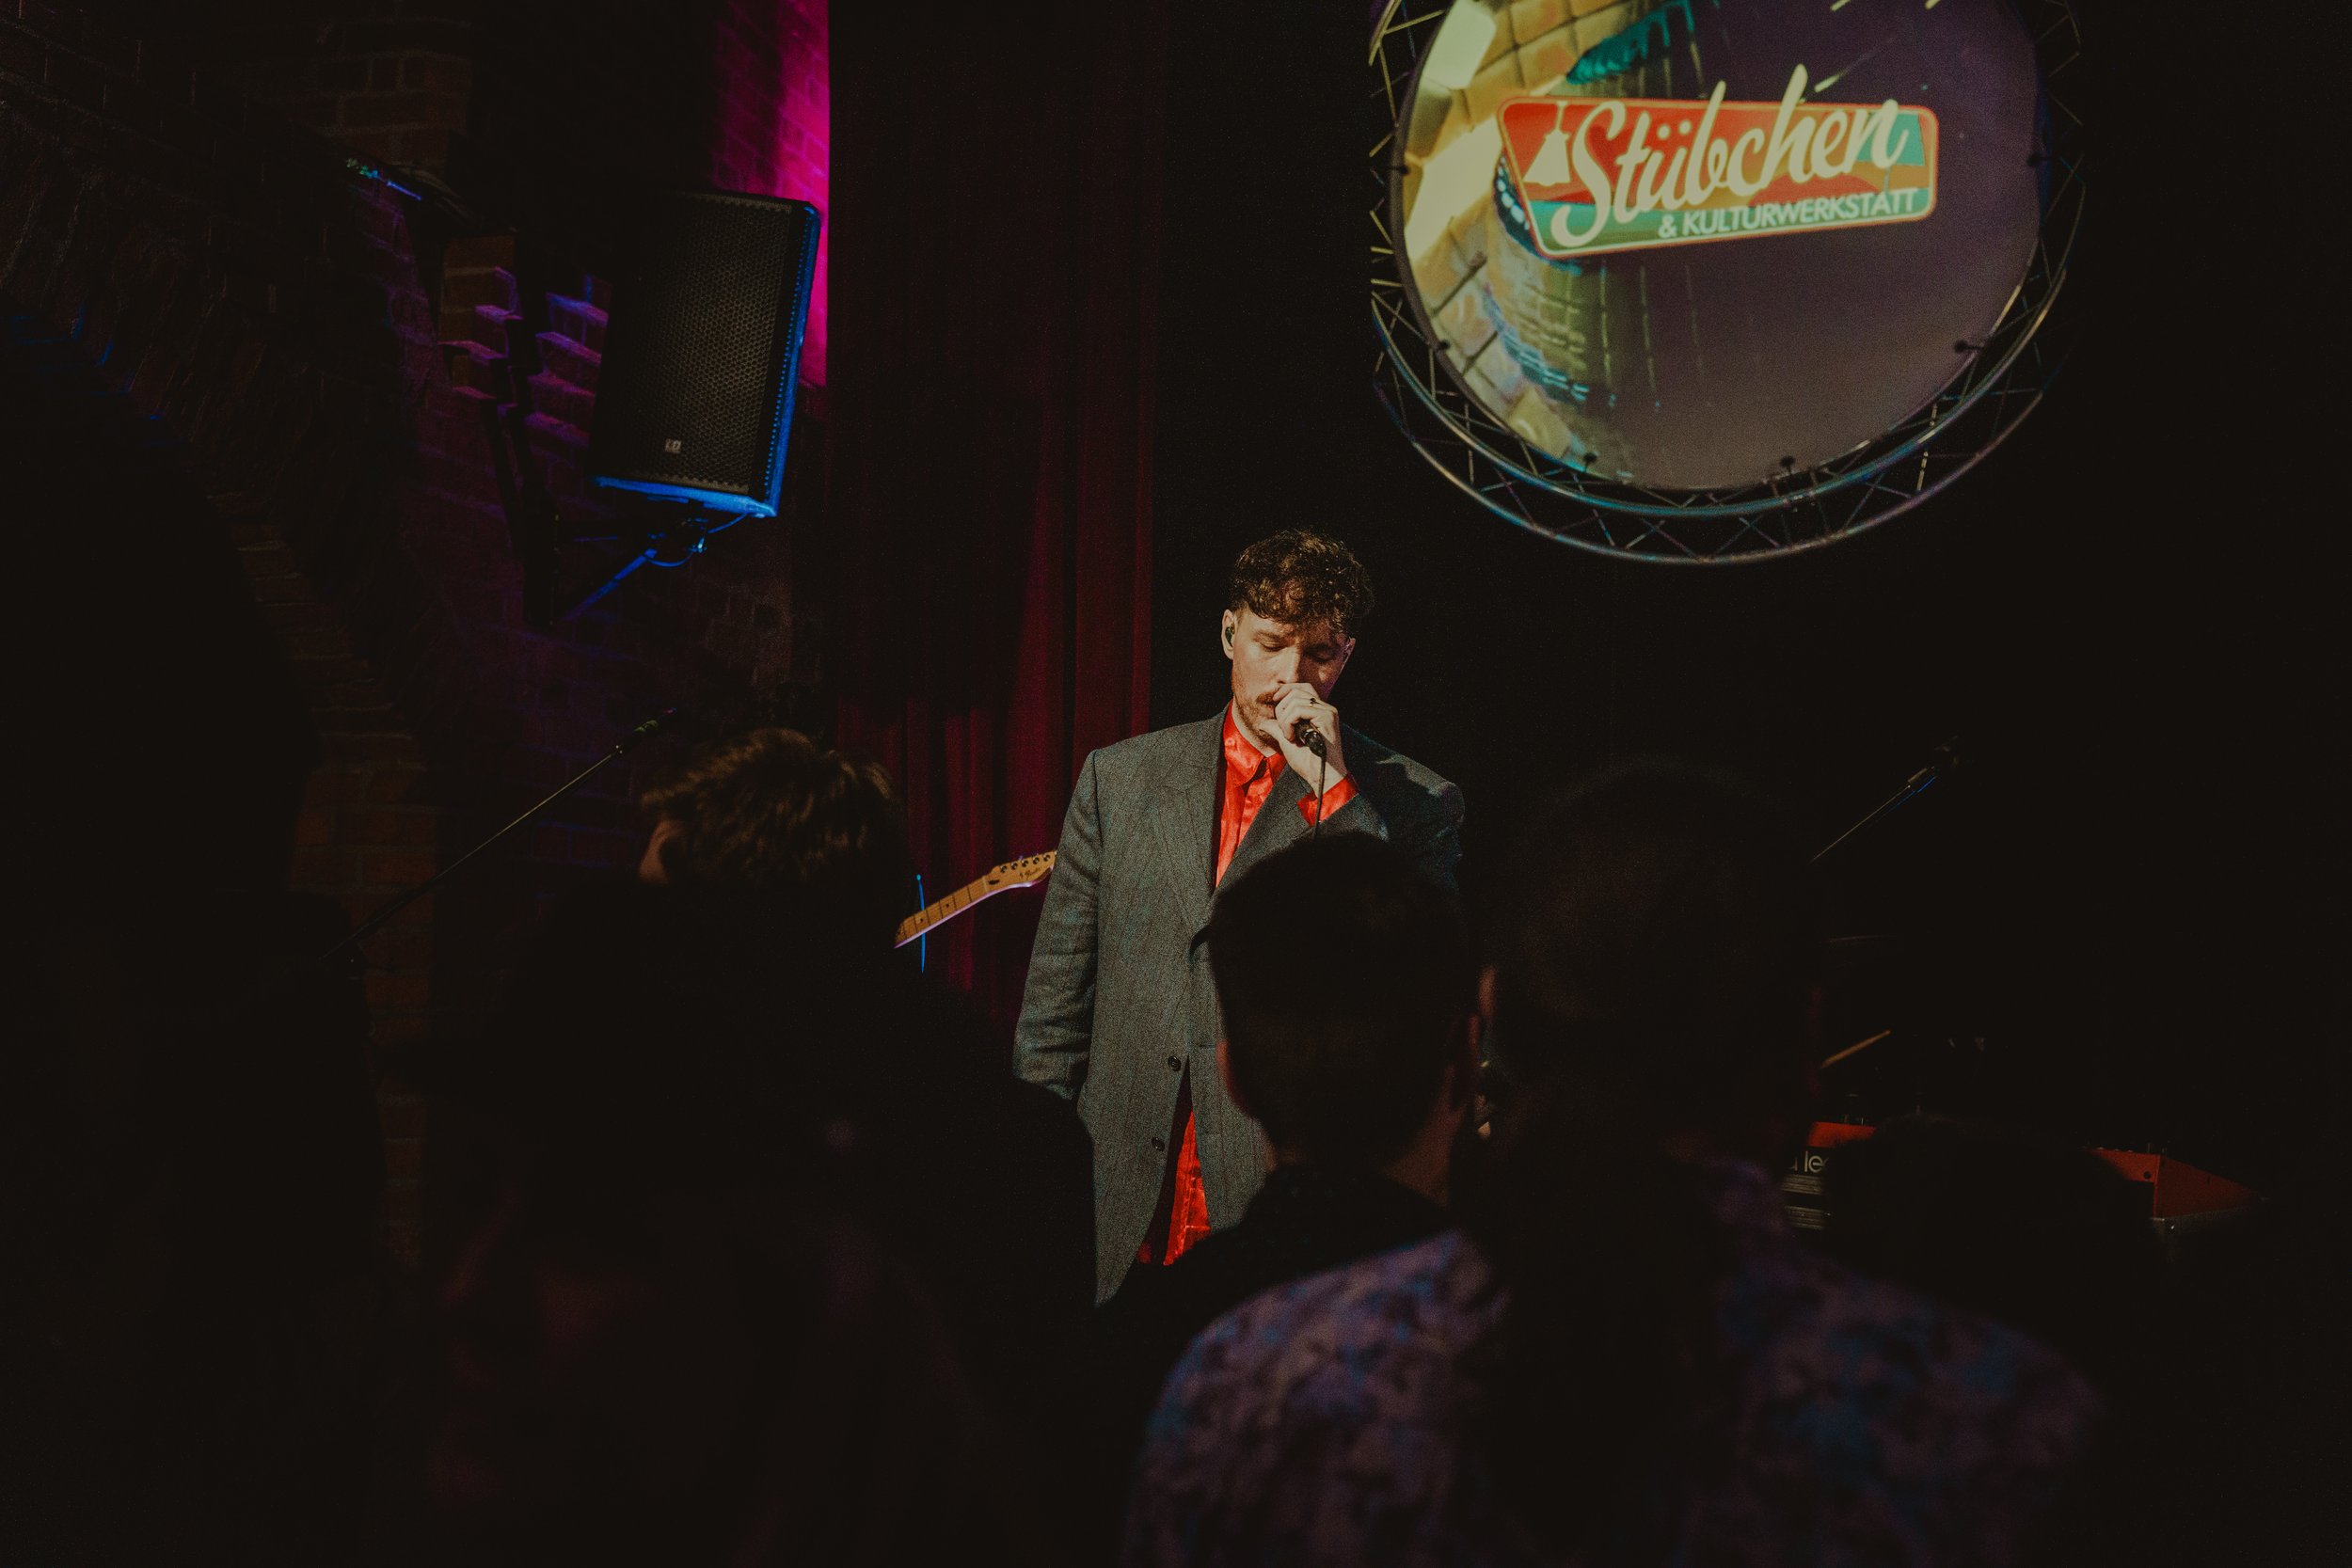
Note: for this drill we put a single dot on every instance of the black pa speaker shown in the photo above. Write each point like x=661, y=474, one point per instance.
x=709, y=304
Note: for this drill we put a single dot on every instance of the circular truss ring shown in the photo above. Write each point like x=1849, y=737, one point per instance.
x=2000, y=380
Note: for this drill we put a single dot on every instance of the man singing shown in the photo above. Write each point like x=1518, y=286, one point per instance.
x=1120, y=1013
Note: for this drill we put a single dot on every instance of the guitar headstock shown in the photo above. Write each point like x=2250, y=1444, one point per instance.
x=1027, y=871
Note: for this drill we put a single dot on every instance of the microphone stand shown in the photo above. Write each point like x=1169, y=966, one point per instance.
x=1945, y=760
x=621, y=747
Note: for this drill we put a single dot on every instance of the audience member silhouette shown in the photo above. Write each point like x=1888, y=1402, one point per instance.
x=1358, y=1066
x=770, y=810
x=1629, y=1357
x=693, y=1326
x=2035, y=1231
x=191, y=1296
x=2257, y=1439
x=769, y=817
x=2213, y=1368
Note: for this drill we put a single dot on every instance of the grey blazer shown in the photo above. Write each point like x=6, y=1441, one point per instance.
x=1120, y=1006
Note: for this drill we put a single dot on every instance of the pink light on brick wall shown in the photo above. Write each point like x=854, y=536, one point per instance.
x=774, y=121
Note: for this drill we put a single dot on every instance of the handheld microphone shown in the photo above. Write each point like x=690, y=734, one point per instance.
x=647, y=731
x=1303, y=733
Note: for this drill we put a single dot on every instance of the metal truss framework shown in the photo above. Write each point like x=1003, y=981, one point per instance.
x=2001, y=381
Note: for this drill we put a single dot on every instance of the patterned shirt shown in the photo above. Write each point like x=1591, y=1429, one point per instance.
x=1324, y=1422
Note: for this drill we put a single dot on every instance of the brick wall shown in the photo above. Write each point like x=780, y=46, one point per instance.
x=324, y=362
x=394, y=81
x=539, y=109
x=391, y=78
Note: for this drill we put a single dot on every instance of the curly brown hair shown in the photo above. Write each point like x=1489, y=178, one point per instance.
x=1301, y=578
x=770, y=812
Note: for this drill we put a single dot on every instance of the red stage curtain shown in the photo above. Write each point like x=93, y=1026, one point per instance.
x=995, y=213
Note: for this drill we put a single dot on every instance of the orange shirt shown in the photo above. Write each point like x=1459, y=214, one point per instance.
x=1249, y=778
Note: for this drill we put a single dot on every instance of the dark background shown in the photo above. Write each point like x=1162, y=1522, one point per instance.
x=2128, y=893
x=271, y=638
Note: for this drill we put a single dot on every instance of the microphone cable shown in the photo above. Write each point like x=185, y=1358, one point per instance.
x=1322, y=777
x=1305, y=734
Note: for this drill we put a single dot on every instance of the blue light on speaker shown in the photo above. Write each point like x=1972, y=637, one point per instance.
x=718, y=500
x=709, y=317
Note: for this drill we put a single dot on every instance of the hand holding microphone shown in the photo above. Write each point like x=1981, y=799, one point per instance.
x=1308, y=730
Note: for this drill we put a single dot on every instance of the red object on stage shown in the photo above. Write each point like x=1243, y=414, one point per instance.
x=2176, y=1187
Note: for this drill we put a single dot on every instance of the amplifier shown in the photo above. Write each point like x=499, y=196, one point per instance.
x=2175, y=1188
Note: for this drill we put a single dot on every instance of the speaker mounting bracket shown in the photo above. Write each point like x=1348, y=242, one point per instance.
x=657, y=532
x=662, y=534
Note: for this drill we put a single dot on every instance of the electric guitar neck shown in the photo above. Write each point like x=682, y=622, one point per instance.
x=1027, y=872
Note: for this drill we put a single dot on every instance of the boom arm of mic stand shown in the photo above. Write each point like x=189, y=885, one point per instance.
x=1947, y=756
x=627, y=743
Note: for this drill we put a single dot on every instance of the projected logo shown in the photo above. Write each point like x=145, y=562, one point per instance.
x=1630, y=173
x=1566, y=177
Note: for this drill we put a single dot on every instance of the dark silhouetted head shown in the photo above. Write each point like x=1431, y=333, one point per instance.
x=770, y=812
x=1652, y=1003
x=1346, y=981
x=678, y=1330
x=1659, y=949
